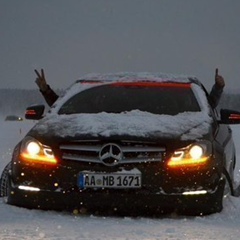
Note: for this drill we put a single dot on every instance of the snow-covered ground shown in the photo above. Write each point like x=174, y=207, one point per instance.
x=19, y=223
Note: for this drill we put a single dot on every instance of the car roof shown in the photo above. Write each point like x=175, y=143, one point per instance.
x=136, y=77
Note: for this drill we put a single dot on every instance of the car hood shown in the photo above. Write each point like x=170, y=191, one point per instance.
x=135, y=124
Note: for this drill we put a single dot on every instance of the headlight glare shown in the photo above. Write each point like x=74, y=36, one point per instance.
x=193, y=155
x=35, y=152
x=33, y=148
x=196, y=152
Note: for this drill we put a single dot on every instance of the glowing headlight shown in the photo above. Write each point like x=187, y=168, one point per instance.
x=32, y=150
x=196, y=152
x=191, y=155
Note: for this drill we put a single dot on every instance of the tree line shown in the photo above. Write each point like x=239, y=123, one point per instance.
x=15, y=101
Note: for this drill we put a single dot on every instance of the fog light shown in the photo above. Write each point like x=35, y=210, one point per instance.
x=28, y=188
x=199, y=192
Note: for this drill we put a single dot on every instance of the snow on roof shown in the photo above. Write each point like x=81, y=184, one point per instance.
x=137, y=76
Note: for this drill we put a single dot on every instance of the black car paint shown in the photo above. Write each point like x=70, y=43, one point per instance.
x=162, y=186
x=65, y=174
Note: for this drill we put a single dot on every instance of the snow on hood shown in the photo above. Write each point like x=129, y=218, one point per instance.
x=187, y=125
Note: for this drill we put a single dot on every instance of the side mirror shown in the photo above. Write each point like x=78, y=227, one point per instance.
x=229, y=116
x=34, y=112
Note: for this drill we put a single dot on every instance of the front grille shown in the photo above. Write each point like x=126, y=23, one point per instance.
x=132, y=152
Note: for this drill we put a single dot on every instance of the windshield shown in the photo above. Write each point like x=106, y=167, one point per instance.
x=112, y=98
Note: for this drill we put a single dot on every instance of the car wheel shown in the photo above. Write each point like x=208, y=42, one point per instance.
x=227, y=191
x=4, y=181
x=215, y=202
x=234, y=162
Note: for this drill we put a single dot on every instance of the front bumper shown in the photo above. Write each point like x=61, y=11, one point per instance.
x=117, y=201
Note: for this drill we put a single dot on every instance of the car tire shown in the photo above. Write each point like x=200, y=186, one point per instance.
x=211, y=204
x=219, y=199
x=4, y=181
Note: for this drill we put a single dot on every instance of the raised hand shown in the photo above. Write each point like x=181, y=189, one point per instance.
x=219, y=80
x=41, y=81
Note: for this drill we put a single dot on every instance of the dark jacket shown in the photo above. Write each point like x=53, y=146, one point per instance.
x=215, y=95
x=50, y=96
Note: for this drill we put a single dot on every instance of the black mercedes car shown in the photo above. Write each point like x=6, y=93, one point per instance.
x=126, y=143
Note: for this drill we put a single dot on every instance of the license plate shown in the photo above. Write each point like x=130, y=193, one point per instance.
x=110, y=180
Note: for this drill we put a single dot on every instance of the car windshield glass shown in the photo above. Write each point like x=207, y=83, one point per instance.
x=120, y=98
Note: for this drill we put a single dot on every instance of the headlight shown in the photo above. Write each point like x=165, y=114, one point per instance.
x=32, y=150
x=195, y=154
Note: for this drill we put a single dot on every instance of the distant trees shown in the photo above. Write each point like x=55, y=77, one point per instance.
x=231, y=101
x=15, y=101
